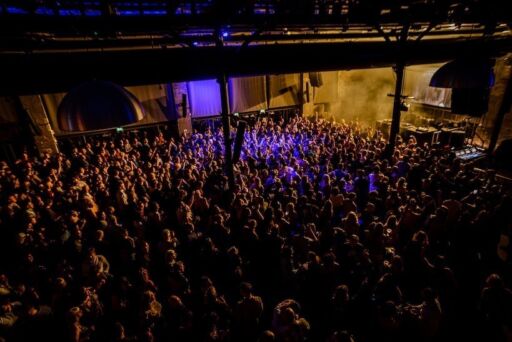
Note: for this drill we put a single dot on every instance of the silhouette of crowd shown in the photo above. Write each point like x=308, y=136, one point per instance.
x=136, y=237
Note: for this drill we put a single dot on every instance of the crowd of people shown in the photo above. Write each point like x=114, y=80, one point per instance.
x=136, y=237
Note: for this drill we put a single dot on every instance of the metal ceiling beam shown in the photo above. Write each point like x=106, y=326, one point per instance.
x=428, y=30
x=49, y=72
x=19, y=24
x=399, y=69
x=34, y=42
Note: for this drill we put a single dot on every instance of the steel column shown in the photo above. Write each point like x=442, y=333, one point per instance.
x=227, y=131
x=505, y=106
x=395, y=123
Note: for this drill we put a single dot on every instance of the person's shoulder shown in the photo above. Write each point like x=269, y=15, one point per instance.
x=256, y=299
x=486, y=294
x=102, y=258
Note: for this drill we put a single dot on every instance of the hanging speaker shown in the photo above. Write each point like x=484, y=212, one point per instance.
x=98, y=105
x=470, y=101
x=316, y=79
x=471, y=79
x=240, y=130
x=470, y=72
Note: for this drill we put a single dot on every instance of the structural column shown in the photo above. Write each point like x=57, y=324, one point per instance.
x=401, y=44
x=228, y=156
x=301, y=93
x=395, y=123
x=44, y=135
x=180, y=120
x=505, y=106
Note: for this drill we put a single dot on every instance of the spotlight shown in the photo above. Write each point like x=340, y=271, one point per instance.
x=225, y=34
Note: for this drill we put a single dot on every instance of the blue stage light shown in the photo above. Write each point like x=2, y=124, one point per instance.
x=69, y=12
x=16, y=10
x=44, y=11
x=154, y=12
x=185, y=9
x=92, y=13
x=128, y=12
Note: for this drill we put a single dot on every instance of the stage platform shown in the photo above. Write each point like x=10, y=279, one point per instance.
x=454, y=137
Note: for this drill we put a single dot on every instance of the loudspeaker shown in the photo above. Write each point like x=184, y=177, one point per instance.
x=181, y=126
x=457, y=139
x=316, y=79
x=240, y=130
x=446, y=134
x=184, y=105
x=471, y=101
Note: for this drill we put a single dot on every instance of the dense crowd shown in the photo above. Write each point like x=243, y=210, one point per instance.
x=136, y=237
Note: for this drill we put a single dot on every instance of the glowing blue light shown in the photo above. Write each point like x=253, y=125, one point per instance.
x=128, y=12
x=69, y=12
x=225, y=34
x=92, y=13
x=16, y=10
x=195, y=43
x=154, y=12
x=204, y=98
x=44, y=11
x=184, y=10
